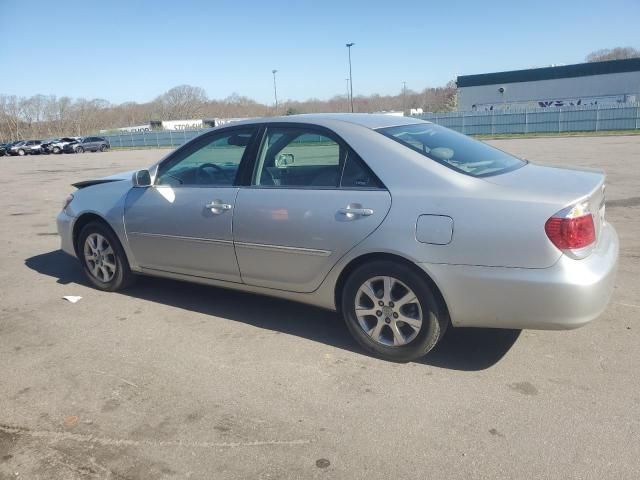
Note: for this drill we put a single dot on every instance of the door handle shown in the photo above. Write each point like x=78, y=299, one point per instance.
x=217, y=206
x=352, y=212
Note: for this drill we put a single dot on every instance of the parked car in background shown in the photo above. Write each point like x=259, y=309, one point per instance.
x=57, y=145
x=402, y=226
x=87, y=144
x=26, y=147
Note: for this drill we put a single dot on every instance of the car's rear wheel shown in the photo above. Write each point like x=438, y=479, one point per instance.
x=21, y=152
x=79, y=150
x=103, y=148
x=392, y=311
x=103, y=259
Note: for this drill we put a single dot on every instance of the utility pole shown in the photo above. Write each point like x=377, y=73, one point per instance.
x=275, y=90
x=349, y=45
x=348, y=94
x=404, y=97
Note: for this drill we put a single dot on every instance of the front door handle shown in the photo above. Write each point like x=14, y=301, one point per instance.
x=218, y=206
x=353, y=212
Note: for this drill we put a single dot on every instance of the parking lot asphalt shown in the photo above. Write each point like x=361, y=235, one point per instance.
x=174, y=380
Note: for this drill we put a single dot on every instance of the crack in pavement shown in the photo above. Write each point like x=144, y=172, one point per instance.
x=123, y=442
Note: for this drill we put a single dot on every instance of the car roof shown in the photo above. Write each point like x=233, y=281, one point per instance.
x=368, y=120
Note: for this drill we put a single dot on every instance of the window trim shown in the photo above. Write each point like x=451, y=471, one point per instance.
x=201, y=141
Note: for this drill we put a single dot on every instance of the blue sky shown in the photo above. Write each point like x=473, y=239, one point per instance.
x=130, y=50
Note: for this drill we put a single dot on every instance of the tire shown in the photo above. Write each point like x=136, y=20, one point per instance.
x=56, y=150
x=103, y=148
x=79, y=150
x=21, y=152
x=383, y=332
x=103, y=259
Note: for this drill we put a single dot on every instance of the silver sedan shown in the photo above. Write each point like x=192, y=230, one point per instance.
x=402, y=226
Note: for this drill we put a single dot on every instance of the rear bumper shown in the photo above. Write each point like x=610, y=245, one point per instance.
x=65, y=230
x=567, y=295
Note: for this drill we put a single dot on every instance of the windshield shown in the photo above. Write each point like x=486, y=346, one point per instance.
x=454, y=150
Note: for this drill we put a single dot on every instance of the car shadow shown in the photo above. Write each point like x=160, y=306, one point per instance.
x=466, y=349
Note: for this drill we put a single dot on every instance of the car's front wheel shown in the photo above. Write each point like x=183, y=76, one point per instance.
x=103, y=148
x=56, y=150
x=392, y=311
x=79, y=150
x=103, y=259
x=22, y=152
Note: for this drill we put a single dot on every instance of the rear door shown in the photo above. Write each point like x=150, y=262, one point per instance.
x=310, y=201
x=89, y=143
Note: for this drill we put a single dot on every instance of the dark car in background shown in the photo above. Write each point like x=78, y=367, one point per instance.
x=3, y=149
x=87, y=144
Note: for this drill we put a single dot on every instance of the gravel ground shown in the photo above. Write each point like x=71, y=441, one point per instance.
x=172, y=380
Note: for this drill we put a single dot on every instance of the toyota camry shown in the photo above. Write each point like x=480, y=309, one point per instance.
x=402, y=226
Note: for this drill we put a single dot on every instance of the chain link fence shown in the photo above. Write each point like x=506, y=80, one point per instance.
x=556, y=120
x=496, y=122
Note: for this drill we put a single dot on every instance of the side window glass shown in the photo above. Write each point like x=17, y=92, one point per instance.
x=358, y=175
x=215, y=163
x=297, y=158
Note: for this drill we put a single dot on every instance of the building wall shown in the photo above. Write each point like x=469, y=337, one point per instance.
x=607, y=88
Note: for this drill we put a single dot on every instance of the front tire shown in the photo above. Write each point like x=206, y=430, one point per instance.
x=392, y=311
x=79, y=150
x=103, y=259
x=21, y=152
x=56, y=150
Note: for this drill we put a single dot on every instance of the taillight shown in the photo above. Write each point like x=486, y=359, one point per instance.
x=573, y=231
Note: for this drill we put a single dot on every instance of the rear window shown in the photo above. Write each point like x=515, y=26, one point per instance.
x=454, y=150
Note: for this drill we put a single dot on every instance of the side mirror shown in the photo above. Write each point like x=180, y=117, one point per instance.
x=284, y=159
x=142, y=178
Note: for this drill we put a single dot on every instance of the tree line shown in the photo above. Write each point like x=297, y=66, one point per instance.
x=44, y=116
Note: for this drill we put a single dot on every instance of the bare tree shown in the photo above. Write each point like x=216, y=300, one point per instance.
x=617, y=53
x=184, y=101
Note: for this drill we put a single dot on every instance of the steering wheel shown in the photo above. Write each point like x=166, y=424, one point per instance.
x=201, y=170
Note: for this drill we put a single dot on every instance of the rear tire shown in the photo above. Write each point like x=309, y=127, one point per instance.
x=103, y=259
x=21, y=152
x=387, y=293
x=56, y=150
x=103, y=148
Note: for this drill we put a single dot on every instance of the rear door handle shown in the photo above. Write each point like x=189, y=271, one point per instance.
x=218, y=206
x=352, y=212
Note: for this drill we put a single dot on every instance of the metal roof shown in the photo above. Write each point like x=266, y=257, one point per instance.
x=550, y=73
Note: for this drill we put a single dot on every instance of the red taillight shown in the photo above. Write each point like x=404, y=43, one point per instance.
x=571, y=233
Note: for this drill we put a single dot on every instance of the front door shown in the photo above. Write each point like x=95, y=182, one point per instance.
x=311, y=200
x=183, y=223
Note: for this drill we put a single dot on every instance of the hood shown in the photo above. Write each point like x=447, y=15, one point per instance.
x=118, y=177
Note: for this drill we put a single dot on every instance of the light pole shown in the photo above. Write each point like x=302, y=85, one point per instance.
x=349, y=45
x=404, y=96
x=275, y=90
x=348, y=95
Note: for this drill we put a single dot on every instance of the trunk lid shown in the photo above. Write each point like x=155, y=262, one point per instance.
x=561, y=186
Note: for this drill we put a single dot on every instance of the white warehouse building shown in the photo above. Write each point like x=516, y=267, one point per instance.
x=597, y=83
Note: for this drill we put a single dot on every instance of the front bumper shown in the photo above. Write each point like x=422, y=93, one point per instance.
x=567, y=295
x=65, y=230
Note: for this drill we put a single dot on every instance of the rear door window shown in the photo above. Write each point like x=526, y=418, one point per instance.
x=298, y=157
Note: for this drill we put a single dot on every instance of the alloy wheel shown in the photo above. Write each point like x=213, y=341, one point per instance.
x=388, y=311
x=100, y=257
